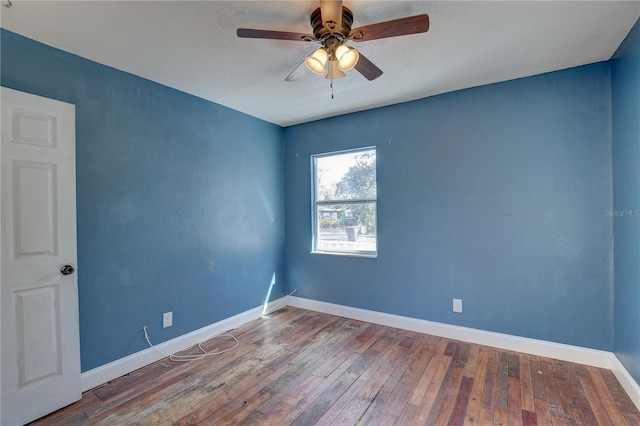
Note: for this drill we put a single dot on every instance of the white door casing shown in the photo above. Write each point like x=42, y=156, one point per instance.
x=39, y=305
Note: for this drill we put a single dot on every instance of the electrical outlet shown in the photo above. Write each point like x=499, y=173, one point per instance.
x=457, y=305
x=167, y=319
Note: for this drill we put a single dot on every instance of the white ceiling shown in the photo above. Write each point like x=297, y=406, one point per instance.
x=192, y=46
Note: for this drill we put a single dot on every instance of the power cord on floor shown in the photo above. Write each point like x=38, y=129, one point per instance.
x=187, y=358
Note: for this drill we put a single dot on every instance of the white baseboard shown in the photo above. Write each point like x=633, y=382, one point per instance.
x=92, y=378
x=628, y=383
x=577, y=354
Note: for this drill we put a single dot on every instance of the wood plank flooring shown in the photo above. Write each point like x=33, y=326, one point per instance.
x=301, y=367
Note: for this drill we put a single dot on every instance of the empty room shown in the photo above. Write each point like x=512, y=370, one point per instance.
x=320, y=212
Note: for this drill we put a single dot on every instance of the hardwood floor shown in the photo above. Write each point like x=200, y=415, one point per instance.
x=301, y=367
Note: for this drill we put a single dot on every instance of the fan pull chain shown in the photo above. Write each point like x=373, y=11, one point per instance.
x=331, y=84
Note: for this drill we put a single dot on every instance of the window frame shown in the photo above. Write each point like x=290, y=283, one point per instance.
x=315, y=204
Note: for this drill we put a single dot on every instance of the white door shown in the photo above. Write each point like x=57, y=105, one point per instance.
x=40, y=338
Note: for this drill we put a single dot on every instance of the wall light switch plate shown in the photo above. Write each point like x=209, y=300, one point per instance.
x=457, y=305
x=167, y=319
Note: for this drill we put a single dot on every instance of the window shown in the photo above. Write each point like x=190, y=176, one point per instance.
x=345, y=200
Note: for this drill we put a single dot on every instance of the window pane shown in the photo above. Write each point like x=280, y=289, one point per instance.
x=348, y=176
x=346, y=227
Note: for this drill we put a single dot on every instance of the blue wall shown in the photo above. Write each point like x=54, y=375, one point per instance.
x=496, y=195
x=625, y=95
x=179, y=201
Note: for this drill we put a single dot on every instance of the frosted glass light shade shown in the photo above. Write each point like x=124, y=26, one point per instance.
x=347, y=57
x=315, y=62
x=334, y=70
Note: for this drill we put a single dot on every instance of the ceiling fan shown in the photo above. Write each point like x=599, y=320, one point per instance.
x=331, y=24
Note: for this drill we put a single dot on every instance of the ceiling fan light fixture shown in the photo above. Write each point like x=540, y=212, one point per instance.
x=334, y=70
x=315, y=62
x=332, y=26
x=347, y=57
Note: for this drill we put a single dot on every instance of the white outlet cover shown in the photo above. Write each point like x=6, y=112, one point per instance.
x=457, y=305
x=167, y=319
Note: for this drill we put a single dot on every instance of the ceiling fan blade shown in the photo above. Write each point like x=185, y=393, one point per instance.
x=273, y=35
x=331, y=10
x=397, y=27
x=298, y=73
x=367, y=68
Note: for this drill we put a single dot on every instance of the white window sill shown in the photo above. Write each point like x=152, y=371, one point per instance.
x=335, y=253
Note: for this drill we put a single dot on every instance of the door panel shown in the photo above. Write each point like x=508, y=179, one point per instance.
x=29, y=127
x=40, y=333
x=34, y=211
